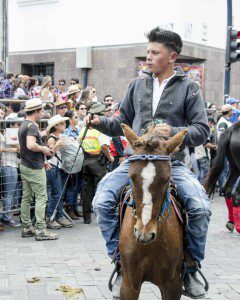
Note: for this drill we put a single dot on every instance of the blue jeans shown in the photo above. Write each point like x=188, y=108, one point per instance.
x=195, y=200
x=71, y=192
x=224, y=174
x=9, y=186
x=203, y=167
x=54, y=190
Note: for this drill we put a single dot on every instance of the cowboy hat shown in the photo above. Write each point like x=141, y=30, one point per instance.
x=73, y=89
x=34, y=104
x=61, y=102
x=55, y=120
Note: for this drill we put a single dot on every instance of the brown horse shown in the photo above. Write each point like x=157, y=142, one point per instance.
x=151, y=244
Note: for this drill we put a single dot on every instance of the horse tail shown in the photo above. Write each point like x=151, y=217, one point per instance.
x=218, y=163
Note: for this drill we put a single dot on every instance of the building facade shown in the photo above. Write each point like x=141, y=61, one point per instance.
x=113, y=67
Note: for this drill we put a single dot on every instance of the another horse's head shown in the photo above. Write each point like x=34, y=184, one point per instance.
x=150, y=178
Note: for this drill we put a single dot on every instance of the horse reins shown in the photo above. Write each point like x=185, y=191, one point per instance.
x=167, y=203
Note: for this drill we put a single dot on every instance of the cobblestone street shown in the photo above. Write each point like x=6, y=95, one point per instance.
x=75, y=260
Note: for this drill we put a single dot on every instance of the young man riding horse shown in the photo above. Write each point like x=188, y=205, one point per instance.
x=163, y=93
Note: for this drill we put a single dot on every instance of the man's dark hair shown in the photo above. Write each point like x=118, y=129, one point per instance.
x=62, y=80
x=224, y=113
x=75, y=79
x=10, y=75
x=107, y=97
x=16, y=107
x=29, y=113
x=79, y=104
x=169, y=39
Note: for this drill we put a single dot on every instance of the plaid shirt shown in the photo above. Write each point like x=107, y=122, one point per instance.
x=7, y=89
x=72, y=133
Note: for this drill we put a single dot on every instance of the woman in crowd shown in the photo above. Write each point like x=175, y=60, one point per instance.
x=34, y=88
x=75, y=180
x=45, y=93
x=18, y=88
x=56, y=126
x=9, y=176
x=87, y=97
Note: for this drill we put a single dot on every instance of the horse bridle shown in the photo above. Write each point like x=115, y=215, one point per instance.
x=166, y=204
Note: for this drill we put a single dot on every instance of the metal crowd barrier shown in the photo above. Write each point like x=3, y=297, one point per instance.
x=10, y=178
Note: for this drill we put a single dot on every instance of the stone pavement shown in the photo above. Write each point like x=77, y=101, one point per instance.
x=73, y=259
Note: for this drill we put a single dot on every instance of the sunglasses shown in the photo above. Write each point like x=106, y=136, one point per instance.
x=94, y=91
x=61, y=84
x=84, y=108
x=72, y=82
x=62, y=107
x=108, y=100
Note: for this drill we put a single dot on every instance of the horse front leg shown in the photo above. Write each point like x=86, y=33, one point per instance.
x=171, y=291
x=129, y=290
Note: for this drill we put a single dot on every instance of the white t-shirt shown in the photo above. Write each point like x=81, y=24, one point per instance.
x=222, y=125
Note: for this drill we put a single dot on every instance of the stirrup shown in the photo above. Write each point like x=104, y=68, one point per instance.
x=115, y=270
x=184, y=272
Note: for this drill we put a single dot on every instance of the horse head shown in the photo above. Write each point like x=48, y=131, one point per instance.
x=150, y=178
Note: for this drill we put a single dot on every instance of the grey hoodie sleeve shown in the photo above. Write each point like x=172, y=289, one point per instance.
x=111, y=126
x=196, y=119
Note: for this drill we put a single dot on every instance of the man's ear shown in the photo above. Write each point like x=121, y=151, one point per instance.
x=175, y=141
x=131, y=136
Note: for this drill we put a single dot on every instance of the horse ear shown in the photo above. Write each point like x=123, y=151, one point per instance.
x=175, y=141
x=130, y=135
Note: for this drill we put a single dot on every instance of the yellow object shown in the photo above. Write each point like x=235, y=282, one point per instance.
x=91, y=143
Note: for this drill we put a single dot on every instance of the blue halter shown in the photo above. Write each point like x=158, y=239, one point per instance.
x=167, y=203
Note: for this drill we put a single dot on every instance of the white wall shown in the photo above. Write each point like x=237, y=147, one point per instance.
x=73, y=23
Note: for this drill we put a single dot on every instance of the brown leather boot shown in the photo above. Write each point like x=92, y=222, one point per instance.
x=70, y=212
x=78, y=213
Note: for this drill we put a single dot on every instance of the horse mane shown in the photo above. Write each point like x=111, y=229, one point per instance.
x=218, y=163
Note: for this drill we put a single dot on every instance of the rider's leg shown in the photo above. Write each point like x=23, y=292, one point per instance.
x=105, y=205
x=197, y=205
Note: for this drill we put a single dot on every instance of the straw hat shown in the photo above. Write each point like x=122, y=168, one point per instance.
x=61, y=102
x=73, y=89
x=55, y=120
x=226, y=107
x=34, y=104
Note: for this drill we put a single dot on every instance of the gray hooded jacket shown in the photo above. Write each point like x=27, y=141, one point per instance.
x=181, y=106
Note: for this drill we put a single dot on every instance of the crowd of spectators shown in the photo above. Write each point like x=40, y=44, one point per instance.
x=64, y=113
x=62, y=119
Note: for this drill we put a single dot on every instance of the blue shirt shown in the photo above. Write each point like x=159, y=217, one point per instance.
x=7, y=89
x=72, y=132
x=235, y=115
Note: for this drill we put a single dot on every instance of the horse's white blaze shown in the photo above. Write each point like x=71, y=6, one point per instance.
x=148, y=175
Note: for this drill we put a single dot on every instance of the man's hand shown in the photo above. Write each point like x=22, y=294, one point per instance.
x=111, y=159
x=95, y=120
x=47, y=166
x=163, y=130
x=121, y=159
x=46, y=151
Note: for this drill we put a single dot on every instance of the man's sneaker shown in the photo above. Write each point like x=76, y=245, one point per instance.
x=52, y=225
x=230, y=226
x=193, y=287
x=44, y=235
x=64, y=223
x=28, y=232
x=11, y=223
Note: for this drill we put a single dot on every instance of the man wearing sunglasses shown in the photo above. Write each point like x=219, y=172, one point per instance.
x=74, y=81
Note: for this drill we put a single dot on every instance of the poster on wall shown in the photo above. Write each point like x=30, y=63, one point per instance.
x=193, y=71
